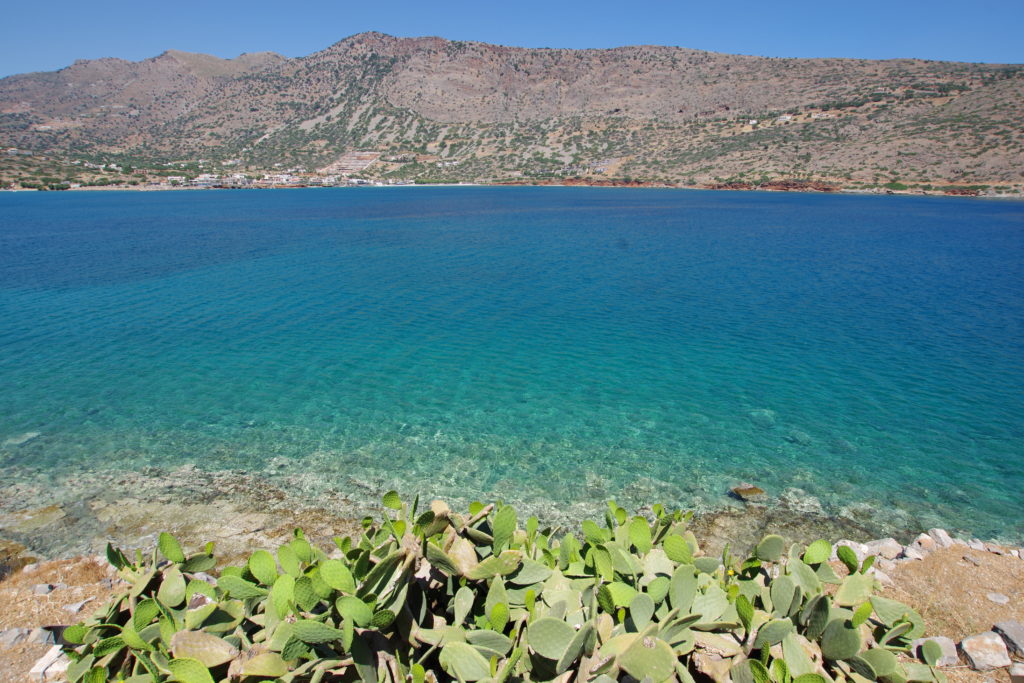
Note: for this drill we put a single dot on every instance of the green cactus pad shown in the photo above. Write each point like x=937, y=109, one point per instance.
x=770, y=548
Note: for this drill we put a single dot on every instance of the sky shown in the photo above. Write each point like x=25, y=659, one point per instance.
x=48, y=36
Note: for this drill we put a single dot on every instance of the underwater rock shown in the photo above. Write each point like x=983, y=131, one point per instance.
x=747, y=492
x=30, y=520
x=798, y=437
x=842, y=446
x=762, y=417
x=802, y=502
x=20, y=439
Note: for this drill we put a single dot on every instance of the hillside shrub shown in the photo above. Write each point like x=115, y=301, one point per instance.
x=432, y=595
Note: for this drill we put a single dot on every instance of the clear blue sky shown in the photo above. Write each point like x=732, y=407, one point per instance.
x=46, y=36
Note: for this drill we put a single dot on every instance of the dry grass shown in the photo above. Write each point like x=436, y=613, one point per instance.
x=951, y=594
x=21, y=608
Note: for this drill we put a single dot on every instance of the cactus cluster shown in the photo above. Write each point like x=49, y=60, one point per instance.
x=435, y=595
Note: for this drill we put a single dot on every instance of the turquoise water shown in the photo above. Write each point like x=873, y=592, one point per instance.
x=544, y=345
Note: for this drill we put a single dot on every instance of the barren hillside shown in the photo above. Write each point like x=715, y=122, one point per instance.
x=461, y=110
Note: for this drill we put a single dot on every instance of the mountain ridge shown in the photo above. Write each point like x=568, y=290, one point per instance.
x=477, y=111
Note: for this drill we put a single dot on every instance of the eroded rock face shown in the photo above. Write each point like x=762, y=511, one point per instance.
x=985, y=651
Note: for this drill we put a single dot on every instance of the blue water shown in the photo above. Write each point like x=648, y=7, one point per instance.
x=558, y=345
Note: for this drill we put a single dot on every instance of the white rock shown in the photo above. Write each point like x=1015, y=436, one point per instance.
x=912, y=553
x=996, y=549
x=889, y=548
x=998, y=598
x=985, y=651
x=941, y=537
x=975, y=544
x=882, y=577
x=885, y=565
x=42, y=589
x=13, y=636
x=924, y=544
x=1013, y=635
x=53, y=662
x=949, y=656
x=76, y=607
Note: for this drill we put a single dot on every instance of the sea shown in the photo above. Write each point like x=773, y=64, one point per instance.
x=853, y=356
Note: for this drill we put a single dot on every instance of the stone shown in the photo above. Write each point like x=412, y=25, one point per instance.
x=1013, y=635
x=924, y=544
x=798, y=437
x=959, y=541
x=29, y=568
x=975, y=544
x=973, y=560
x=76, y=607
x=949, y=655
x=1017, y=673
x=888, y=548
x=985, y=651
x=912, y=553
x=762, y=417
x=51, y=665
x=41, y=636
x=13, y=636
x=42, y=589
x=747, y=492
x=995, y=549
x=941, y=537
x=20, y=439
x=998, y=598
x=882, y=577
x=885, y=565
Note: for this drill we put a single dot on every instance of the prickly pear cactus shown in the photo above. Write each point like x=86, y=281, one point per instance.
x=430, y=594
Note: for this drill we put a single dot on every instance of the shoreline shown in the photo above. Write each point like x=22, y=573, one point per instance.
x=49, y=518
x=788, y=187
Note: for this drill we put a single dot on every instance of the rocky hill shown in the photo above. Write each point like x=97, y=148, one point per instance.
x=440, y=109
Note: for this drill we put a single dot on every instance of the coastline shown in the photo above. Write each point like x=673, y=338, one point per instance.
x=43, y=517
x=812, y=187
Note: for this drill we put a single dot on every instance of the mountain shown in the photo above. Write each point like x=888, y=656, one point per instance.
x=465, y=110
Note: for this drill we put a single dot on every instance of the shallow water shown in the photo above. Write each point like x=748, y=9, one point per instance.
x=544, y=345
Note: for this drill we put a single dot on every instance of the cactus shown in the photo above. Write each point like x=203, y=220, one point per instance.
x=839, y=640
x=770, y=548
x=429, y=594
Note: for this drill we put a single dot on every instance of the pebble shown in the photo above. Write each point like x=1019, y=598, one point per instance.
x=985, y=651
x=949, y=655
x=42, y=589
x=998, y=598
x=1013, y=635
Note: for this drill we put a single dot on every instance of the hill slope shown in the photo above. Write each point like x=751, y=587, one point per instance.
x=438, y=108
